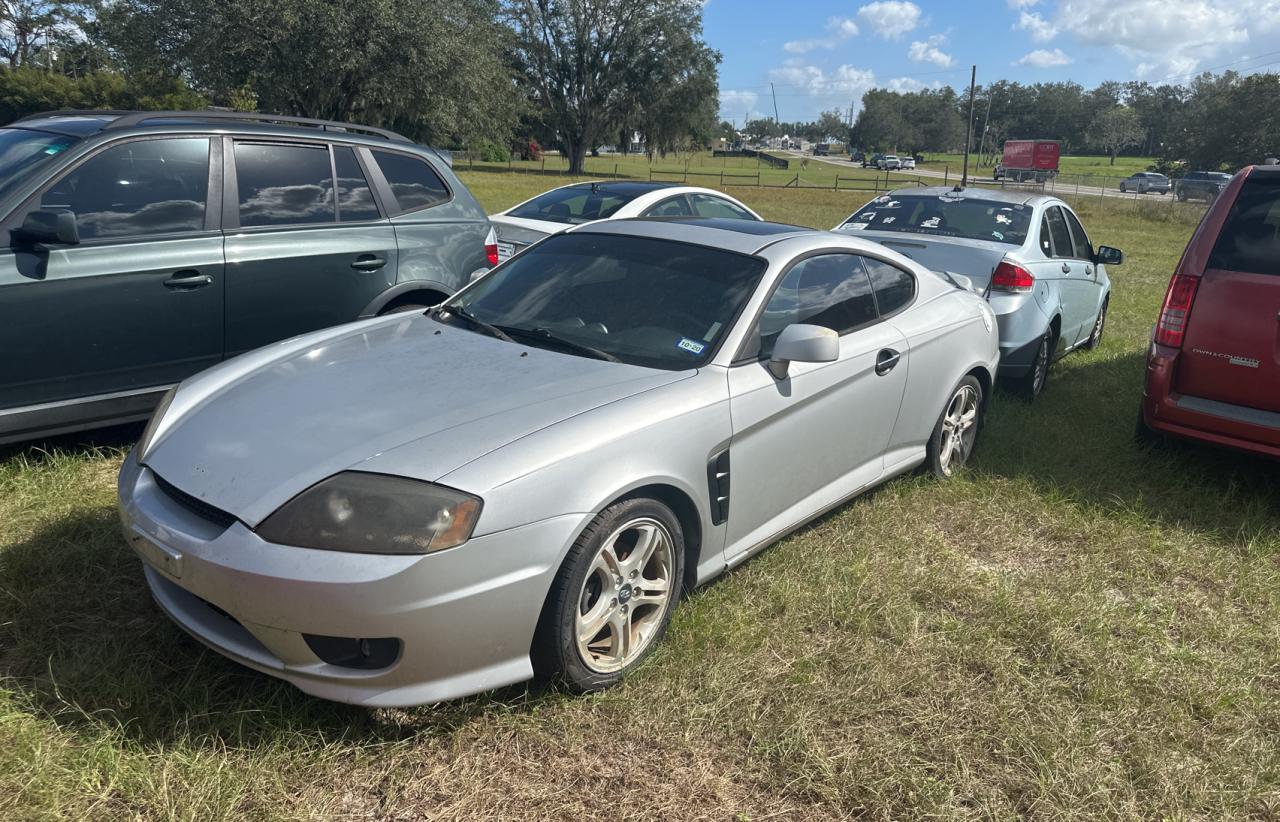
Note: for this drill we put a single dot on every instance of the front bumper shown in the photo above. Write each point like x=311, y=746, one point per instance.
x=465, y=617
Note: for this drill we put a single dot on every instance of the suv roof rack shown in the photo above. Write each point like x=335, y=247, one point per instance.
x=125, y=119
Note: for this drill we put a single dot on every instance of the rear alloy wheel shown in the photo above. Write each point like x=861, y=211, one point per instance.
x=956, y=431
x=1033, y=383
x=1099, y=325
x=613, y=597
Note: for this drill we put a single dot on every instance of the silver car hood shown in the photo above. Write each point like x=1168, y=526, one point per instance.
x=409, y=396
x=975, y=259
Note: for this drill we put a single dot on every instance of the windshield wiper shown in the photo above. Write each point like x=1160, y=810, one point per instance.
x=460, y=311
x=546, y=335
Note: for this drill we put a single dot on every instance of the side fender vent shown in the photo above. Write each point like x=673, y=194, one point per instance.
x=718, y=487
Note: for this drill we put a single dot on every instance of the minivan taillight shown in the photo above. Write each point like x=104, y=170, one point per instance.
x=1012, y=277
x=491, y=247
x=1176, y=310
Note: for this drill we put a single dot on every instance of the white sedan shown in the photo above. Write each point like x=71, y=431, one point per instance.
x=555, y=210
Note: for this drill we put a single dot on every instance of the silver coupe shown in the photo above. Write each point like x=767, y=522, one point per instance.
x=523, y=480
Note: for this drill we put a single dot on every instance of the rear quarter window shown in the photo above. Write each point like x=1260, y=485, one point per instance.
x=1250, y=238
x=413, y=181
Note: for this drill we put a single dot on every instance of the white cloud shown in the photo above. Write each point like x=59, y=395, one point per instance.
x=890, y=18
x=1044, y=58
x=928, y=51
x=908, y=84
x=1040, y=29
x=823, y=89
x=1173, y=36
x=733, y=104
x=841, y=28
x=1022, y=4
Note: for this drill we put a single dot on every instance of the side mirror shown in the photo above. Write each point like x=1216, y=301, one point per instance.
x=45, y=226
x=1109, y=256
x=799, y=342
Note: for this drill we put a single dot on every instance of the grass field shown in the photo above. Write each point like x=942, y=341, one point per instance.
x=1075, y=628
x=1068, y=166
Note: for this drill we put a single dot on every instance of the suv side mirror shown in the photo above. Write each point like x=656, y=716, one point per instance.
x=800, y=342
x=47, y=226
x=1109, y=256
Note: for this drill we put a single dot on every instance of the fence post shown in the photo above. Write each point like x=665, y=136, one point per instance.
x=615, y=171
x=722, y=177
x=946, y=174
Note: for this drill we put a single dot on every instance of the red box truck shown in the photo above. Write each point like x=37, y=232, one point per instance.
x=1028, y=161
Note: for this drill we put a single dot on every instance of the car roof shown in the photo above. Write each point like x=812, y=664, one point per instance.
x=75, y=125
x=627, y=188
x=977, y=192
x=741, y=236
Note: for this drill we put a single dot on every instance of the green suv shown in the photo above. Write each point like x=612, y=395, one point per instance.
x=143, y=247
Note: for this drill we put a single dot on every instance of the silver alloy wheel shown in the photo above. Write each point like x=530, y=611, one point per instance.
x=1041, y=366
x=1098, y=324
x=625, y=596
x=959, y=430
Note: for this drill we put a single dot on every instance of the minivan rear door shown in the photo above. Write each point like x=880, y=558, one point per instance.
x=1231, y=352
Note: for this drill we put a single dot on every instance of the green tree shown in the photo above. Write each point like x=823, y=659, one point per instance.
x=831, y=125
x=591, y=67
x=436, y=70
x=1116, y=129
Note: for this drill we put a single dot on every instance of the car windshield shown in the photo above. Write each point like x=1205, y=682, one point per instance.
x=643, y=301
x=946, y=215
x=22, y=151
x=573, y=205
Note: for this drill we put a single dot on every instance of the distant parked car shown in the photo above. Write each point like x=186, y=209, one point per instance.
x=1201, y=185
x=1213, y=373
x=553, y=211
x=857, y=157
x=144, y=247
x=526, y=480
x=890, y=162
x=1029, y=255
x=1146, y=182
x=907, y=162
x=821, y=149
x=872, y=161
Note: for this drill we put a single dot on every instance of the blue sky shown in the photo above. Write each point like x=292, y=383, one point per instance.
x=823, y=54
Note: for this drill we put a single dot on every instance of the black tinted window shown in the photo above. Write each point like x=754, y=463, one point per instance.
x=675, y=207
x=574, y=205
x=1084, y=248
x=645, y=301
x=831, y=290
x=355, y=200
x=707, y=206
x=137, y=188
x=1250, y=239
x=413, y=182
x=894, y=287
x=1060, y=233
x=284, y=185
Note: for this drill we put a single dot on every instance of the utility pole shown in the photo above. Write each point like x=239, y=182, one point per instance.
x=986, y=121
x=776, y=121
x=968, y=131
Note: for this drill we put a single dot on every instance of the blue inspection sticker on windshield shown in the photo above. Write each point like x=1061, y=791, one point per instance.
x=692, y=346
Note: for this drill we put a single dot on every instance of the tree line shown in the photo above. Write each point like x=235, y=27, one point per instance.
x=458, y=73
x=1213, y=122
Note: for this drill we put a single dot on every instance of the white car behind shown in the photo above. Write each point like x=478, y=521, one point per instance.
x=553, y=211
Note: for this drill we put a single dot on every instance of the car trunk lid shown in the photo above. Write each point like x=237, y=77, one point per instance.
x=975, y=259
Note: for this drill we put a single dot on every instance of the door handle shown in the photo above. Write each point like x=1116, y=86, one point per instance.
x=187, y=279
x=886, y=360
x=368, y=262
x=1066, y=269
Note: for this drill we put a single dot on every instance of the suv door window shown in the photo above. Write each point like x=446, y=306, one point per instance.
x=138, y=188
x=1250, y=238
x=893, y=287
x=284, y=184
x=671, y=207
x=830, y=290
x=1060, y=233
x=355, y=200
x=413, y=181
x=1084, y=249
x=705, y=205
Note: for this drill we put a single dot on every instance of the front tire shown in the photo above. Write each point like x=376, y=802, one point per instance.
x=613, y=596
x=956, y=431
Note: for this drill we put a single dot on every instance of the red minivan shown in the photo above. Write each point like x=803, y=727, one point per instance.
x=1213, y=368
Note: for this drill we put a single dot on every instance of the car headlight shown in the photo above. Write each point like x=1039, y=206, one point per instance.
x=374, y=514
x=149, y=433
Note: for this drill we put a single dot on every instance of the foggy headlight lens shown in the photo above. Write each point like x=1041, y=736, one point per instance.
x=374, y=514
x=148, y=433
